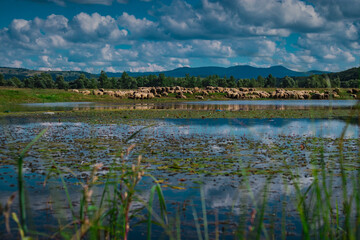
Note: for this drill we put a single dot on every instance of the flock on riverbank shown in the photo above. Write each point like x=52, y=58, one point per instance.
x=233, y=93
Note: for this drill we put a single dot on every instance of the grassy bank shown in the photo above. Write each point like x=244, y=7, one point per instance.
x=27, y=95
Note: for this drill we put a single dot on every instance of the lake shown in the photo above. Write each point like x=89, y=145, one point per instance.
x=228, y=163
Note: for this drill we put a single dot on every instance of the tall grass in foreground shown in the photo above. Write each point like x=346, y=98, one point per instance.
x=108, y=218
x=322, y=215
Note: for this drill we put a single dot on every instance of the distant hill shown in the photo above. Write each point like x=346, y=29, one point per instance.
x=238, y=72
x=347, y=75
x=350, y=74
x=22, y=73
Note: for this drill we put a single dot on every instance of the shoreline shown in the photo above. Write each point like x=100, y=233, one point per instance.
x=23, y=95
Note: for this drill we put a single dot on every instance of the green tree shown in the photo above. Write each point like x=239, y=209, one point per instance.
x=153, y=80
x=222, y=82
x=142, y=81
x=2, y=80
x=17, y=82
x=113, y=82
x=39, y=82
x=132, y=83
x=47, y=80
x=353, y=83
x=80, y=82
x=252, y=83
x=104, y=80
x=124, y=81
x=14, y=82
x=317, y=81
x=288, y=82
x=190, y=82
x=60, y=82
x=336, y=82
x=260, y=81
x=270, y=81
x=162, y=80
x=93, y=83
x=29, y=82
x=231, y=82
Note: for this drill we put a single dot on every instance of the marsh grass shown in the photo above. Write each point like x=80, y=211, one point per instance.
x=322, y=215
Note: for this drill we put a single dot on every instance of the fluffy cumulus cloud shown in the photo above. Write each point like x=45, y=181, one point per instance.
x=140, y=28
x=228, y=18
x=85, y=28
x=299, y=34
x=338, y=10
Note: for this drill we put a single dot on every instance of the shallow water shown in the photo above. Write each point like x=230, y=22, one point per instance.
x=233, y=105
x=186, y=155
x=209, y=154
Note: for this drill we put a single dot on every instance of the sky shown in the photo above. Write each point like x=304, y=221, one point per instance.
x=158, y=35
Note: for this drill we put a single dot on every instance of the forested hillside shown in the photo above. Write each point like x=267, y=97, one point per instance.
x=38, y=79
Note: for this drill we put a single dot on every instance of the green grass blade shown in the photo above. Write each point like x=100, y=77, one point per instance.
x=21, y=189
x=137, y=132
x=196, y=219
x=206, y=231
x=151, y=201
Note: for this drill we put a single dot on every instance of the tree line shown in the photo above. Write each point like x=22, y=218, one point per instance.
x=45, y=80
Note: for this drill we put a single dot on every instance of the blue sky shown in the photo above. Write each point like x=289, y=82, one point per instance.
x=155, y=35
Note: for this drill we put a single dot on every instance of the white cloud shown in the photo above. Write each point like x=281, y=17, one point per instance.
x=107, y=52
x=58, y=41
x=85, y=27
x=45, y=60
x=16, y=64
x=149, y=68
x=49, y=69
x=222, y=61
x=110, y=69
x=54, y=23
x=330, y=56
x=349, y=57
x=140, y=28
x=181, y=33
x=179, y=61
x=335, y=10
x=239, y=18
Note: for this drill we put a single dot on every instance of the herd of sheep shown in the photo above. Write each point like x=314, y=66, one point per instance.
x=234, y=93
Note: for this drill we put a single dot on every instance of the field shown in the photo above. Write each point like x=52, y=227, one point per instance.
x=25, y=95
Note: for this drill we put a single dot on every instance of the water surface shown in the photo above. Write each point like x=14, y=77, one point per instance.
x=232, y=105
x=187, y=155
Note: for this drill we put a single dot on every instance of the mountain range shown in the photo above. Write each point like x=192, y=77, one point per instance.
x=243, y=71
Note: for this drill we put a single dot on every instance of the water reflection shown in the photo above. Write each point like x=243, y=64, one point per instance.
x=256, y=129
x=71, y=143
x=263, y=129
x=235, y=105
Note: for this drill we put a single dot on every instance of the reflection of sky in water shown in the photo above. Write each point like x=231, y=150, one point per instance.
x=59, y=104
x=260, y=128
x=266, y=130
x=226, y=193
x=334, y=103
